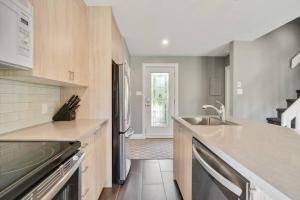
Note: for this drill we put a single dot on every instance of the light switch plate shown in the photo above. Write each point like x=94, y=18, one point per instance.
x=240, y=91
x=44, y=108
x=239, y=84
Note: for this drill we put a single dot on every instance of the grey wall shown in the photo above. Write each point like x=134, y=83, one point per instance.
x=263, y=67
x=126, y=51
x=194, y=77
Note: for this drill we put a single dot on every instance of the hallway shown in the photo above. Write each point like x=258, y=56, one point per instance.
x=147, y=180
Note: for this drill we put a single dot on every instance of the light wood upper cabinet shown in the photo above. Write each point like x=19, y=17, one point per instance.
x=61, y=41
x=80, y=53
x=52, y=38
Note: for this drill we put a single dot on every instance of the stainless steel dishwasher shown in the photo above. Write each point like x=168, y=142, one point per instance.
x=213, y=179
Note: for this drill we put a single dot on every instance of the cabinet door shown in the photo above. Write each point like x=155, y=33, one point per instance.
x=186, y=161
x=88, y=169
x=176, y=152
x=183, y=160
x=79, y=67
x=52, y=41
x=100, y=175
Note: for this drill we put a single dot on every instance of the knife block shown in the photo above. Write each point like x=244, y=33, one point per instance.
x=64, y=114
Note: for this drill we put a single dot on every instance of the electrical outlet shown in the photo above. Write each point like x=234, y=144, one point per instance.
x=44, y=108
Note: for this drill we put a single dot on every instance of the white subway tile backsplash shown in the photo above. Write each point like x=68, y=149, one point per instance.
x=21, y=104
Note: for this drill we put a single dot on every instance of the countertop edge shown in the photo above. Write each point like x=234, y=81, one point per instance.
x=266, y=187
x=60, y=131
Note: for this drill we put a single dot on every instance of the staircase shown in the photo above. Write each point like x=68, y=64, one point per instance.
x=277, y=120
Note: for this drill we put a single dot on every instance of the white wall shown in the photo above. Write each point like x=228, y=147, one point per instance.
x=263, y=67
x=21, y=104
x=194, y=76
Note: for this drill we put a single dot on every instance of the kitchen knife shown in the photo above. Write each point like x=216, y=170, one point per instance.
x=72, y=98
x=74, y=103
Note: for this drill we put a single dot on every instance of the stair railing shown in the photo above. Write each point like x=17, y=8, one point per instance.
x=291, y=113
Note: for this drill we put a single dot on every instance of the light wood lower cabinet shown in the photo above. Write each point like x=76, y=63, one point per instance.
x=183, y=160
x=93, y=168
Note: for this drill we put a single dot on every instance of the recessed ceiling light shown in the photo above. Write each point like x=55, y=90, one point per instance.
x=165, y=42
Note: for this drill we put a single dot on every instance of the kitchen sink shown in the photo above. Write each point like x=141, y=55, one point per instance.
x=207, y=121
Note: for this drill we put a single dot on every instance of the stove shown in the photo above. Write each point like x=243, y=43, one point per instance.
x=26, y=165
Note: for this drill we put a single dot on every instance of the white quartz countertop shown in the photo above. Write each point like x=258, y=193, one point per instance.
x=56, y=131
x=267, y=155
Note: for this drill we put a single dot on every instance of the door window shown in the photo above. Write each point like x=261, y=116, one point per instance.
x=160, y=99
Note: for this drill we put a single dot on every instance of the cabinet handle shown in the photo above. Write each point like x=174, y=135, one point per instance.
x=85, y=193
x=71, y=75
x=85, y=169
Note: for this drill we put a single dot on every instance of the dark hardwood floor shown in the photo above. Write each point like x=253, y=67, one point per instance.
x=147, y=180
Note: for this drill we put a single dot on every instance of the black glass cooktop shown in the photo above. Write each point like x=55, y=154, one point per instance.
x=24, y=164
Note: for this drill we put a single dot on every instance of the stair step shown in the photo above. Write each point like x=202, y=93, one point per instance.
x=290, y=102
x=280, y=111
x=277, y=121
x=298, y=93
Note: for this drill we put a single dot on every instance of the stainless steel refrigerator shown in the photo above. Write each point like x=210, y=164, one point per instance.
x=121, y=129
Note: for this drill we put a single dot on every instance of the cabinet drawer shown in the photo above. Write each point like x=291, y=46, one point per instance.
x=86, y=177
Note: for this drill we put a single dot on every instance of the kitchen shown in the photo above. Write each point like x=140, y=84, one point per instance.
x=74, y=79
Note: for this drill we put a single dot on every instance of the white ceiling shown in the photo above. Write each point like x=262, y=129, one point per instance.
x=196, y=27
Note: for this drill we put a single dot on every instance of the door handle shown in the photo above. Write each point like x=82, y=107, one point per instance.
x=221, y=179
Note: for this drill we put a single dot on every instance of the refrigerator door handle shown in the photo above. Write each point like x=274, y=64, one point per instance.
x=129, y=133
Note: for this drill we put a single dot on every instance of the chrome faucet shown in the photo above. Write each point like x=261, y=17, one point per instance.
x=221, y=111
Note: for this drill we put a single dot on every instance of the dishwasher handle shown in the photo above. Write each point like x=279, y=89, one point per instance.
x=221, y=179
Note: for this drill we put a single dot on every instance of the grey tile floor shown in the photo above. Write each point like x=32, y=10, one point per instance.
x=147, y=180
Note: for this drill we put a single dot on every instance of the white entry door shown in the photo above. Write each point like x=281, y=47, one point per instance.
x=159, y=101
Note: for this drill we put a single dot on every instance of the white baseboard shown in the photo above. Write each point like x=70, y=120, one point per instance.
x=140, y=136
x=137, y=136
x=160, y=137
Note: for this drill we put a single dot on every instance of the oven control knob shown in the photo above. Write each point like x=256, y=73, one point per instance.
x=75, y=158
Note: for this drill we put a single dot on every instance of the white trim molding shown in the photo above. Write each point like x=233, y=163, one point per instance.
x=291, y=113
x=295, y=61
x=175, y=65
x=137, y=136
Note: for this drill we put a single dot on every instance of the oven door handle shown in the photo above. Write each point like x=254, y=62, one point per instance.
x=59, y=185
x=221, y=179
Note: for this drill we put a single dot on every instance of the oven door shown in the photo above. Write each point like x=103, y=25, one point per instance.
x=214, y=179
x=71, y=189
x=64, y=183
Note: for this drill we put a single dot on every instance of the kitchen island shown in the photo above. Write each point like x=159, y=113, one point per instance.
x=267, y=155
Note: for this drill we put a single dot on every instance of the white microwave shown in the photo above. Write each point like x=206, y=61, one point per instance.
x=16, y=34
